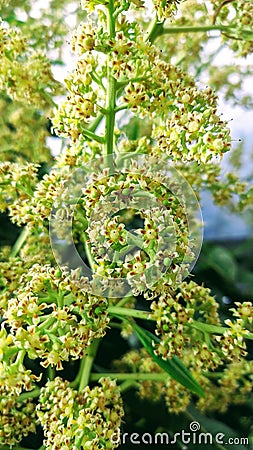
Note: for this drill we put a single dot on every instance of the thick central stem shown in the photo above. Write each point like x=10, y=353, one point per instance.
x=111, y=87
x=86, y=365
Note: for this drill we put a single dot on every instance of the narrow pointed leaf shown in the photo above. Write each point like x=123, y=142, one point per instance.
x=174, y=367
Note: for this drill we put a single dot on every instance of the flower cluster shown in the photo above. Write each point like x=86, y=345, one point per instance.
x=34, y=208
x=176, y=397
x=175, y=312
x=69, y=121
x=17, y=182
x=131, y=217
x=36, y=249
x=179, y=314
x=17, y=419
x=194, y=131
x=193, y=128
x=160, y=244
x=11, y=272
x=26, y=78
x=11, y=40
x=52, y=317
x=15, y=377
x=82, y=104
x=83, y=39
x=165, y=9
x=25, y=75
x=234, y=383
x=48, y=31
x=23, y=133
x=17, y=416
x=233, y=386
x=85, y=420
x=139, y=361
x=189, y=47
x=242, y=14
x=244, y=311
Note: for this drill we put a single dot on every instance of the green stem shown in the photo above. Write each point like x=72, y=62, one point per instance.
x=225, y=2
x=155, y=29
x=16, y=447
x=124, y=300
x=119, y=10
x=204, y=327
x=92, y=136
x=128, y=384
x=118, y=311
x=88, y=252
x=121, y=107
x=130, y=376
x=52, y=336
x=214, y=329
x=195, y=29
x=60, y=300
x=47, y=323
x=123, y=83
x=19, y=242
x=116, y=325
x=214, y=375
x=93, y=126
x=103, y=111
x=97, y=80
x=111, y=88
x=87, y=364
x=31, y=394
x=11, y=351
x=20, y=357
x=74, y=384
x=51, y=373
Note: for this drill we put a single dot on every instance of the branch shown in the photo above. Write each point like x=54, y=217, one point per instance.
x=92, y=136
x=130, y=376
x=138, y=314
x=196, y=29
x=87, y=364
x=31, y=394
x=19, y=242
x=111, y=87
x=225, y=2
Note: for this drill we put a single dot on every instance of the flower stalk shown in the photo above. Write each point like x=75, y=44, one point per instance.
x=111, y=86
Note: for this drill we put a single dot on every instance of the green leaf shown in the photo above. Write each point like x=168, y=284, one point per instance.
x=217, y=429
x=222, y=261
x=174, y=367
